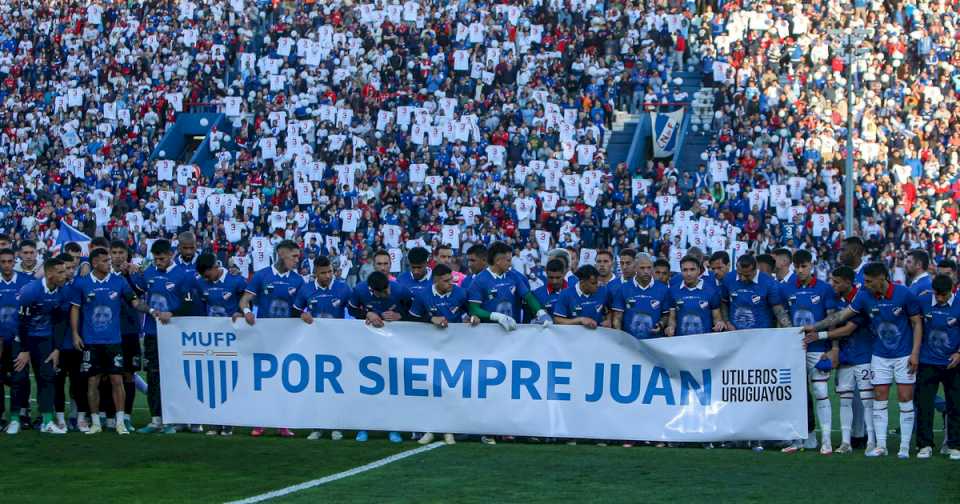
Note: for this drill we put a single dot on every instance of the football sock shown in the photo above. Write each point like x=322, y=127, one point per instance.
x=880, y=423
x=846, y=416
x=906, y=424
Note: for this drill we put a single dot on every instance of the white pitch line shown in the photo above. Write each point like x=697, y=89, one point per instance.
x=340, y=475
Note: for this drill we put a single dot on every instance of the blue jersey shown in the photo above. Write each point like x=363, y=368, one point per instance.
x=220, y=298
x=40, y=308
x=165, y=291
x=101, y=306
x=694, y=306
x=197, y=309
x=941, y=330
x=809, y=303
x=498, y=293
x=889, y=319
x=467, y=281
x=9, y=304
x=414, y=286
x=613, y=288
x=858, y=347
x=364, y=300
x=275, y=293
x=323, y=303
x=573, y=303
x=130, y=318
x=751, y=303
x=922, y=285
x=427, y=303
x=642, y=307
x=548, y=297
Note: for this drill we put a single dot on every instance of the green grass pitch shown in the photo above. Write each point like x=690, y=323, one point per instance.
x=196, y=468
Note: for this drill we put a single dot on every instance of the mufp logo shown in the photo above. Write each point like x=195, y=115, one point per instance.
x=211, y=373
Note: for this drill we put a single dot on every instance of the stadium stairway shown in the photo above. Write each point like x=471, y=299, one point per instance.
x=698, y=134
x=187, y=141
x=617, y=142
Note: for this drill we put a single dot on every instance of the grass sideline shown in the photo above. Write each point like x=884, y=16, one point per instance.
x=197, y=468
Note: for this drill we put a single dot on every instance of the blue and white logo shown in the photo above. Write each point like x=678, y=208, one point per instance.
x=210, y=369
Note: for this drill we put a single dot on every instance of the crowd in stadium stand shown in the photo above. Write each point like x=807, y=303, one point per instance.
x=350, y=119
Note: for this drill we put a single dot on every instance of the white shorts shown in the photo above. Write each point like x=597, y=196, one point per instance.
x=815, y=374
x=858, y=377
x=887, y=371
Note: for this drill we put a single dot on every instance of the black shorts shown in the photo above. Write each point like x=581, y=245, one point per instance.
x=131, y=353
x=102, y=359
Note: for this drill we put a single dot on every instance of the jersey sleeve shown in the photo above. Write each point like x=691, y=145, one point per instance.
x=724, y=290
x=618, y=302
x=522, y=286
x=859, y=303
x=356, y=299
x=418, y=309
x=72, y=294
x=775, y=293
x=475, y=294
x=830, y=300
x=300, y=300
x=240, y=286
x=126, y=292
x=139, y=282
x=667, y=303
x=562, y=307
x=256, y=283
x=912, y=304
x=715, y=299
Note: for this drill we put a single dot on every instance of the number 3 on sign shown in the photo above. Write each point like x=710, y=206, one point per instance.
x=395, y=257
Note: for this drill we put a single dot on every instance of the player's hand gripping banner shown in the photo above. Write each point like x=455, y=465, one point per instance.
x=567, y=382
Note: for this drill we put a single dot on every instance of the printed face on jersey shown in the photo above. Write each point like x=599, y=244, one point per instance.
x=100, y=319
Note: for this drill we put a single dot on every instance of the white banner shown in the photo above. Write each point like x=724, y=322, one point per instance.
x=666, y=132
x=567, y=382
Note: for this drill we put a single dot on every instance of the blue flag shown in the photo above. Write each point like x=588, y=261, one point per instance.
x=69, y=234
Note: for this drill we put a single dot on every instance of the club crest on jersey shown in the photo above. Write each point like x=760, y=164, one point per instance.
x=704, y=305
x=113, y=295
x=897, y=311
x=227, y=295
x=335, y=303
x=654, y=304
x=292, y=290
x=756, y=299
x=815, y=299
x=170, y=285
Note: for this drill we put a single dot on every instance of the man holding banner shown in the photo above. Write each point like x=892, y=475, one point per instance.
x=583, y=304
x=377, y=301
x=810, y=301
x=324, y=297
x=166, y=287
x=548, y=293
x=640, y=306
x=753, y=300
x=274, y=288
x=443, y=304
x=696, y=302
x=496, y=294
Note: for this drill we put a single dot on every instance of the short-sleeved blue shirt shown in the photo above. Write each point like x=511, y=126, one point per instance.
x=275, y=292
x=694, y=306
x=890, y=319
x=642, y=307
x=323, y=303
x=751, y=303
